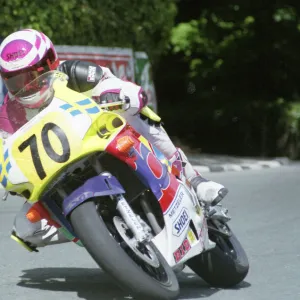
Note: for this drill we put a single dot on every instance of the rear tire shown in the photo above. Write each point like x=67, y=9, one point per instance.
x=224, y=266
x=109, y=255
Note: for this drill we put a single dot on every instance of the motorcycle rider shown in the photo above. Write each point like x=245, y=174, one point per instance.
x=25, y=55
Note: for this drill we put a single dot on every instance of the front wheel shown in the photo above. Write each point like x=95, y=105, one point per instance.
x=224, y=266
x=139, y=278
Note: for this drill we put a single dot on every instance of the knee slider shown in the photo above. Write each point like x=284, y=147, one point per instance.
x=21, y=241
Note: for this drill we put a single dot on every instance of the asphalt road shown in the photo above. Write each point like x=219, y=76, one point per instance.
x=264, y=206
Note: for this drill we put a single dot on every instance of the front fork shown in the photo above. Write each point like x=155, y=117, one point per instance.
x=134, y=223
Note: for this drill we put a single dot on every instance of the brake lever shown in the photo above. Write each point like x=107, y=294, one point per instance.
x=126, y=100
x=105, y=105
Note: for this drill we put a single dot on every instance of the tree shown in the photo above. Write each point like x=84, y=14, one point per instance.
x=143, y=25
x=243, y=76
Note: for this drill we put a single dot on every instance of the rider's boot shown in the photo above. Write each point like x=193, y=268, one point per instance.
x=209, y=192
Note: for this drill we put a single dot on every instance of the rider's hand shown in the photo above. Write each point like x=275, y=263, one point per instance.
x=122, y=102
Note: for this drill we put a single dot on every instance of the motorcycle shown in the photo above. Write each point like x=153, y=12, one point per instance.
x=106, y=188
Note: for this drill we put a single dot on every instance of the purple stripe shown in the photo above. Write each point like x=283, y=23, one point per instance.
x=43, y=36
x=113, y=91
x=37, y=42
x=142, y=98
x=12, y=48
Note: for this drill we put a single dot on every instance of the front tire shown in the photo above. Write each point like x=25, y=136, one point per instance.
x=109, y=255
x=224, y=266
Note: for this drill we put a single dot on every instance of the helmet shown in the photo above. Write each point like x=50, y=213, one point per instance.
x=25, y=55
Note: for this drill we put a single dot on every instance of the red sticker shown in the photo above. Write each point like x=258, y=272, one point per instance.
x=154, y=165
x=182, y=250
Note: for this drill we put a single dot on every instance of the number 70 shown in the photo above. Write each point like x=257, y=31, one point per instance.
x=31, y=142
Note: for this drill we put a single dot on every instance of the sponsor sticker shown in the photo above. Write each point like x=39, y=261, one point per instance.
x=198, y=210
x=203, y=232
x=177, y=202
x=191, y=237
x=15, y=55
x=184, y=248
x=91, y=74
x=181, y=222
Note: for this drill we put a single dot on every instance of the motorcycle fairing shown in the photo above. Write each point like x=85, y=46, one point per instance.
x=69, y=128
x=173, y=196
x=73, y=127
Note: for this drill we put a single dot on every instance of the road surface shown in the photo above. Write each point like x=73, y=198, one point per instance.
x=264, y=206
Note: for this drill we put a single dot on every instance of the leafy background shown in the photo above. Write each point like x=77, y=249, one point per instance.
x=226, y=72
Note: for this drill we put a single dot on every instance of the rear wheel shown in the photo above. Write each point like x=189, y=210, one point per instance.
x=224, y=266
x=139, y=268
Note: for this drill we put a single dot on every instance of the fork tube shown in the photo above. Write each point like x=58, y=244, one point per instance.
x=96, y=164
x=130, y=218
x=150, y=216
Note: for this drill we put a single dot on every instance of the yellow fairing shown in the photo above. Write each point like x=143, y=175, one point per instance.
x=46, y=146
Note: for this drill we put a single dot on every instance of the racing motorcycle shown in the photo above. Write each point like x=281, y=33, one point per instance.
x=106, y=188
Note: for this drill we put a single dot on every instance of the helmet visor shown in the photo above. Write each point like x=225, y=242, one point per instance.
x=42, y=84
x=18, y=80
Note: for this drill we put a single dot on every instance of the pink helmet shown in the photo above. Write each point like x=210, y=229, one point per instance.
x=25, y=55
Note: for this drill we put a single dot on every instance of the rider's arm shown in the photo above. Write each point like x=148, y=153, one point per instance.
x=83, y=75
x=106, y=87
x=12, y=117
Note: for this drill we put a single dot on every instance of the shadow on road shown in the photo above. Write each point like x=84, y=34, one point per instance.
x=93, y=284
